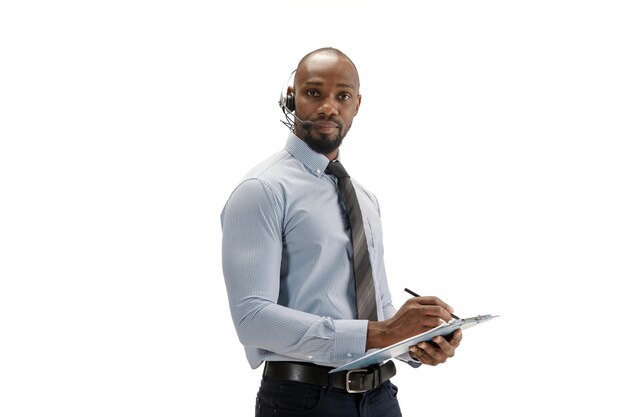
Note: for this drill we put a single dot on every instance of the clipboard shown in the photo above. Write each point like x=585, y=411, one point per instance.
x=381, y=355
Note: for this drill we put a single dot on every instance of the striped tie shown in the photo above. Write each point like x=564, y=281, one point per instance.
x=363, y=278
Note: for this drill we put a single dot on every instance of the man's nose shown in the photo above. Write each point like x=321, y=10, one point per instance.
x=328, y=107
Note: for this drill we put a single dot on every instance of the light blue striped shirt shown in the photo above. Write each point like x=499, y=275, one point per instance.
x=286, y=257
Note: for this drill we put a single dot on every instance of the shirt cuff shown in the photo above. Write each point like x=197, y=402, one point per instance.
x=350, y=339
x=406, y=357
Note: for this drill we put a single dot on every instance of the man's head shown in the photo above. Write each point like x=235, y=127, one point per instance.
x=326, y=88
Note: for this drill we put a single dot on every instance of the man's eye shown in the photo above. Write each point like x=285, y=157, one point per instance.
x=313, y=93
x=344, y=96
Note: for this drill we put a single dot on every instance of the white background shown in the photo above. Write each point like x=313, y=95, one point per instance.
x=492, y=133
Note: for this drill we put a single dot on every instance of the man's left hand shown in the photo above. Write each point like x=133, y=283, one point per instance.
x=438, y=351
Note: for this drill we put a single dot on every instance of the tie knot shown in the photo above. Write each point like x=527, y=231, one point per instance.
x=337, y=170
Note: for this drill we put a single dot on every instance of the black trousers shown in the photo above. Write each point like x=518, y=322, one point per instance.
x=278, y=398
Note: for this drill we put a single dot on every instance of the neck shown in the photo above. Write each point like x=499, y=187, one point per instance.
x=333, y=155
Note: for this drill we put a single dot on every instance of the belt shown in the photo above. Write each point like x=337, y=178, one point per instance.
x=352, y=381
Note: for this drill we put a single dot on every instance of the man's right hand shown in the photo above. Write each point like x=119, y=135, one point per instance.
x=417, y=315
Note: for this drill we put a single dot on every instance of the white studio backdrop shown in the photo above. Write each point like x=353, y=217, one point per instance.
x=492, y=133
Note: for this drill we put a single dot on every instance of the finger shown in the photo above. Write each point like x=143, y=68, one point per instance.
x=456, y=338
x=436, y=311
x=429, y=322
x=421, y=356
x=433, y=355
x=415, y=353
x=432, y=300
x=444, y=346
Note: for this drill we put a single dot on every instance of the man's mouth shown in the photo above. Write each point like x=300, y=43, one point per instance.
x=325, y=127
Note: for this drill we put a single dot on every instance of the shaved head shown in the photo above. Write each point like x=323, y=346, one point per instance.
x=328, y=51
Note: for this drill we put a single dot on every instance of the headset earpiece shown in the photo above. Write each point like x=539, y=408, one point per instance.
x=290, y=102
x=287, y=97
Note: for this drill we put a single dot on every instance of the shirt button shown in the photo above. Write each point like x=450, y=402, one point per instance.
x=318, y=171
x=349, y=355
x=309, y=357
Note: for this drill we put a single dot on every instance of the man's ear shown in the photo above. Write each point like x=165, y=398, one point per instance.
x=358, y=104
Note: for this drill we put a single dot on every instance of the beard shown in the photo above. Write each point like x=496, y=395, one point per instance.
x=324, y=144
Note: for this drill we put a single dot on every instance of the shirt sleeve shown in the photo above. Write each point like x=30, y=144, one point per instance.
x=252, y=248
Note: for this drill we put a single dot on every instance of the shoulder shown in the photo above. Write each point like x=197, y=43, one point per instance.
x=259, y=182
x=265, y=182
x=370, y=196
x=277, y=170
x=268, y=168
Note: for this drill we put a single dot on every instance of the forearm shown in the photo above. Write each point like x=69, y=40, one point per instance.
x=377, y=331
x=377, y=337
x=302, y=336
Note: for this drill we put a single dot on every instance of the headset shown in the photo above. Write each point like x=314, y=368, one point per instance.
x=287, y=103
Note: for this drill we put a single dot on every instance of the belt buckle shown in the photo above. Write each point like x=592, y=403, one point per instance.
x=348, y=380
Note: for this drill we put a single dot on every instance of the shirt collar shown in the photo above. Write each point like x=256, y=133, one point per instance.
x=315, y=162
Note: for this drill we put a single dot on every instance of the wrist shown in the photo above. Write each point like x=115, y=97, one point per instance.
x=376, y=335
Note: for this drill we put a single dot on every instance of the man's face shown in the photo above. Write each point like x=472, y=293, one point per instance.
x=327, y=94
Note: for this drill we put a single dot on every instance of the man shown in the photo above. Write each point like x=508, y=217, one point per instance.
x=290, y=253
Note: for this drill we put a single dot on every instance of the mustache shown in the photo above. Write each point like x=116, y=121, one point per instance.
x=330, y=119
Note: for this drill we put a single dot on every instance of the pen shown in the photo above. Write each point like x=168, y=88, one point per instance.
x=417, y=295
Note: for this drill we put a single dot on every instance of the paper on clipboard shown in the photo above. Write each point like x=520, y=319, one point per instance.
x=381, y=355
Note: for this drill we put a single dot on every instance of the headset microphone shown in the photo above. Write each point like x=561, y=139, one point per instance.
x=306, y=125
